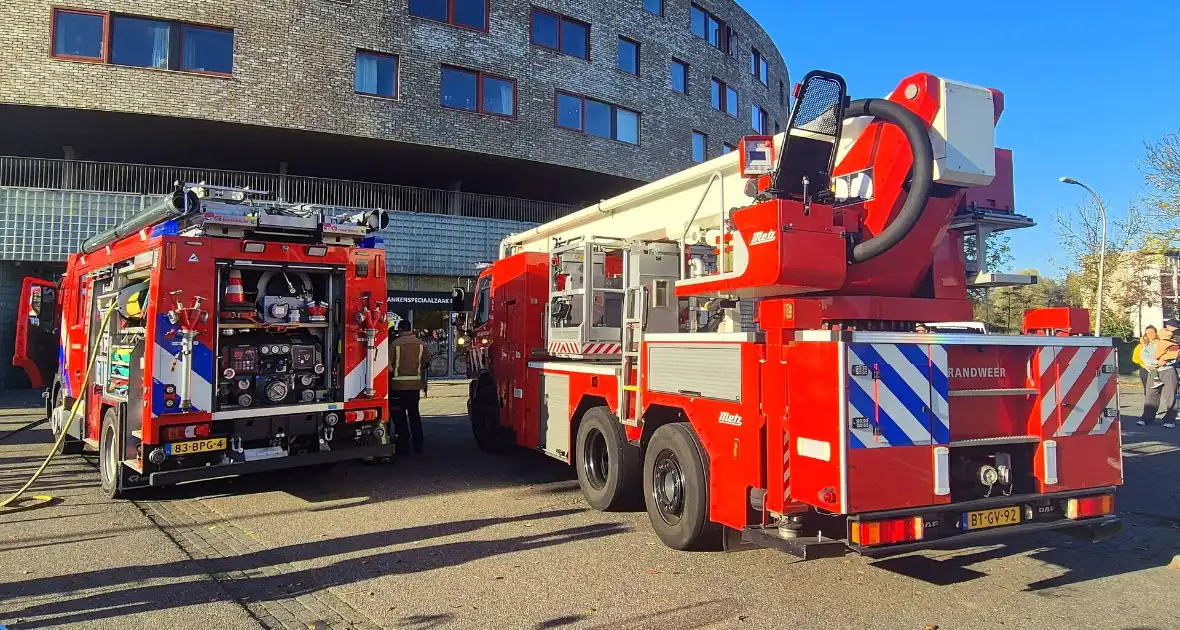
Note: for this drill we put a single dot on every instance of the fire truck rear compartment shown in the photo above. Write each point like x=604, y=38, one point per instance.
x=276, y=342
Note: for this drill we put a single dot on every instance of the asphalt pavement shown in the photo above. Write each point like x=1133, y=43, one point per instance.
x=458, y=539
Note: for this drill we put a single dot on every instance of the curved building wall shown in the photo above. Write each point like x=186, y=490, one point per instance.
x=294, y=64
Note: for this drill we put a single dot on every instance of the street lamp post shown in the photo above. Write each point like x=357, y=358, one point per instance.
x=1101, y=249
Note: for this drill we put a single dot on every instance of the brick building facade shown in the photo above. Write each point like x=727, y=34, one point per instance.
x=364, y=103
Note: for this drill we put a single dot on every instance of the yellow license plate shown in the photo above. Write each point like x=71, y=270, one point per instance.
x=998, y=517
x=196, y=446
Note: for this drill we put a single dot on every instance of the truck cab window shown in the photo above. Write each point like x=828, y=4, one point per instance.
x=483, y=301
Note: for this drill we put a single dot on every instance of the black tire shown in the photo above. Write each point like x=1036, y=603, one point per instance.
x=485, y=421
x=69, y=446
x=676, y=489
x=609, y=467
x=110, y=455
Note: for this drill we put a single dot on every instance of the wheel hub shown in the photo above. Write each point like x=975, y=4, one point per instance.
x=668, y=487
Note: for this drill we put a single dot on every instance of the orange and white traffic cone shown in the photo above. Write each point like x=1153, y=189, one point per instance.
x=233, y=288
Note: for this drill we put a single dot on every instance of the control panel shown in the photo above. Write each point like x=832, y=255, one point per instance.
x=263, y=369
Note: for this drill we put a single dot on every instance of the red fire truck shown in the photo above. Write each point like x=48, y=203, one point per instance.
x=215, y=334
x=740, y=346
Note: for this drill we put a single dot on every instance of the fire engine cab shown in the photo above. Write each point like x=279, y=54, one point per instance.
x=215, y=334
x=741, y=346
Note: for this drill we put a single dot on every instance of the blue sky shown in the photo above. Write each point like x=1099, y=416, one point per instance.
x=1086, y=82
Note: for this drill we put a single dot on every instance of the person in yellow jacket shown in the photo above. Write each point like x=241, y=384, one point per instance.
x=408, y=358
x=1162, y=390
x=1144, y=355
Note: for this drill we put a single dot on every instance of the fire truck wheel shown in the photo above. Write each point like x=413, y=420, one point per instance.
x=69, y=446
x=675, y=487
x=485, y=421
x=110, y=461
x=609, y=467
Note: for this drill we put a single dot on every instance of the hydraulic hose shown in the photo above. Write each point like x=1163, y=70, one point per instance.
x=106, y=318
x=921, y=179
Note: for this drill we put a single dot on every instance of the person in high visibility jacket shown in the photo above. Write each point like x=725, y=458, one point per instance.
x=408, y=358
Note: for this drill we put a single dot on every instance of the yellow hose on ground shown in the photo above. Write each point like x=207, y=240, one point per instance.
x=106, y=318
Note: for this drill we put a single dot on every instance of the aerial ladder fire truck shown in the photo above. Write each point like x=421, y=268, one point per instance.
x=613, y=339
x=215, y=334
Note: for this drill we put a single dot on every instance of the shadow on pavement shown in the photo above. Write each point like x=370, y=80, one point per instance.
x=73, y=609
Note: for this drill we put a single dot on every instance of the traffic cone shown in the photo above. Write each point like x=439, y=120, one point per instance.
x=233, y=288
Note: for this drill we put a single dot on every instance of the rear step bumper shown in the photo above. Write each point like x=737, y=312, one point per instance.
x=173, y=477
x=1093, y=529
x=1090, y=529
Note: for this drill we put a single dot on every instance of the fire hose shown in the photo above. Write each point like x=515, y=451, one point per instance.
x=106, y=318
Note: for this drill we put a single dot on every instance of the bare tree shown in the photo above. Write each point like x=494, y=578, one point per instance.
x=1161, y=171
x=1080, y=235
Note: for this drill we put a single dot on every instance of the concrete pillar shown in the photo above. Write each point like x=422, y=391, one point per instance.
x=455, y=198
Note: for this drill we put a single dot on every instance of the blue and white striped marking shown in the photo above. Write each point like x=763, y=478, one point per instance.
x=905, y=404
x=167, y=371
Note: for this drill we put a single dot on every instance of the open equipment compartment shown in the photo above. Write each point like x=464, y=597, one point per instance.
x=278, y=328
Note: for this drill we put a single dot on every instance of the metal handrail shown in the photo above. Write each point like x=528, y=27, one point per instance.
x=113, y=177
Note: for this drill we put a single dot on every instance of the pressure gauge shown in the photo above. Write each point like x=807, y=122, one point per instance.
x=286, y=349
x=265, y=349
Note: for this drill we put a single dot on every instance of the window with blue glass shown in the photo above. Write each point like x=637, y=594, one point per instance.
x=727, y=148
x=758, y=119
x=724, y=97
x=597, y=118
x=560, y=33
x=700, y=146
x=466, y=13
x=654, y=6
x=142, y=42
x=712, y=29
x=376, y=74
x=475, y=91
x=79, y=34
x=629, y=56
x=759, y=67
x=680, y=76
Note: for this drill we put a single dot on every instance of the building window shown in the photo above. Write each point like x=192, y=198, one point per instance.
x=782, y=93
x=466, y=13
x=563, y=34
x=700, y=146
x=147, y=43
x=376, y=74
x=713, y=30
x=727, y=148
x=724, y=98
x=597, y=118
x=680, y=76
x=759, y=67
x=629, y=56
x=142, y=42
x=474, y=91
x=79, y=34
x=758, y=119
x=654, y=6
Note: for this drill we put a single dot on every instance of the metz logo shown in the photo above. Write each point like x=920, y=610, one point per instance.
x=765, y=236
x=730, y=418
x=978, y=372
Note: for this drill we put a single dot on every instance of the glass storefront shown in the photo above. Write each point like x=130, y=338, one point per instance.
x=426, y=301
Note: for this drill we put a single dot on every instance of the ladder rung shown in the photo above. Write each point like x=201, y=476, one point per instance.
x=631, y=388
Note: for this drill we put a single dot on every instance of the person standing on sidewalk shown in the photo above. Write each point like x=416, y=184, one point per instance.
x=1166, y=354
x=407, y=380
x=1144, y=356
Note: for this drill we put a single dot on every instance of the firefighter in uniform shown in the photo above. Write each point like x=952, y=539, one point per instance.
x=408, y=358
